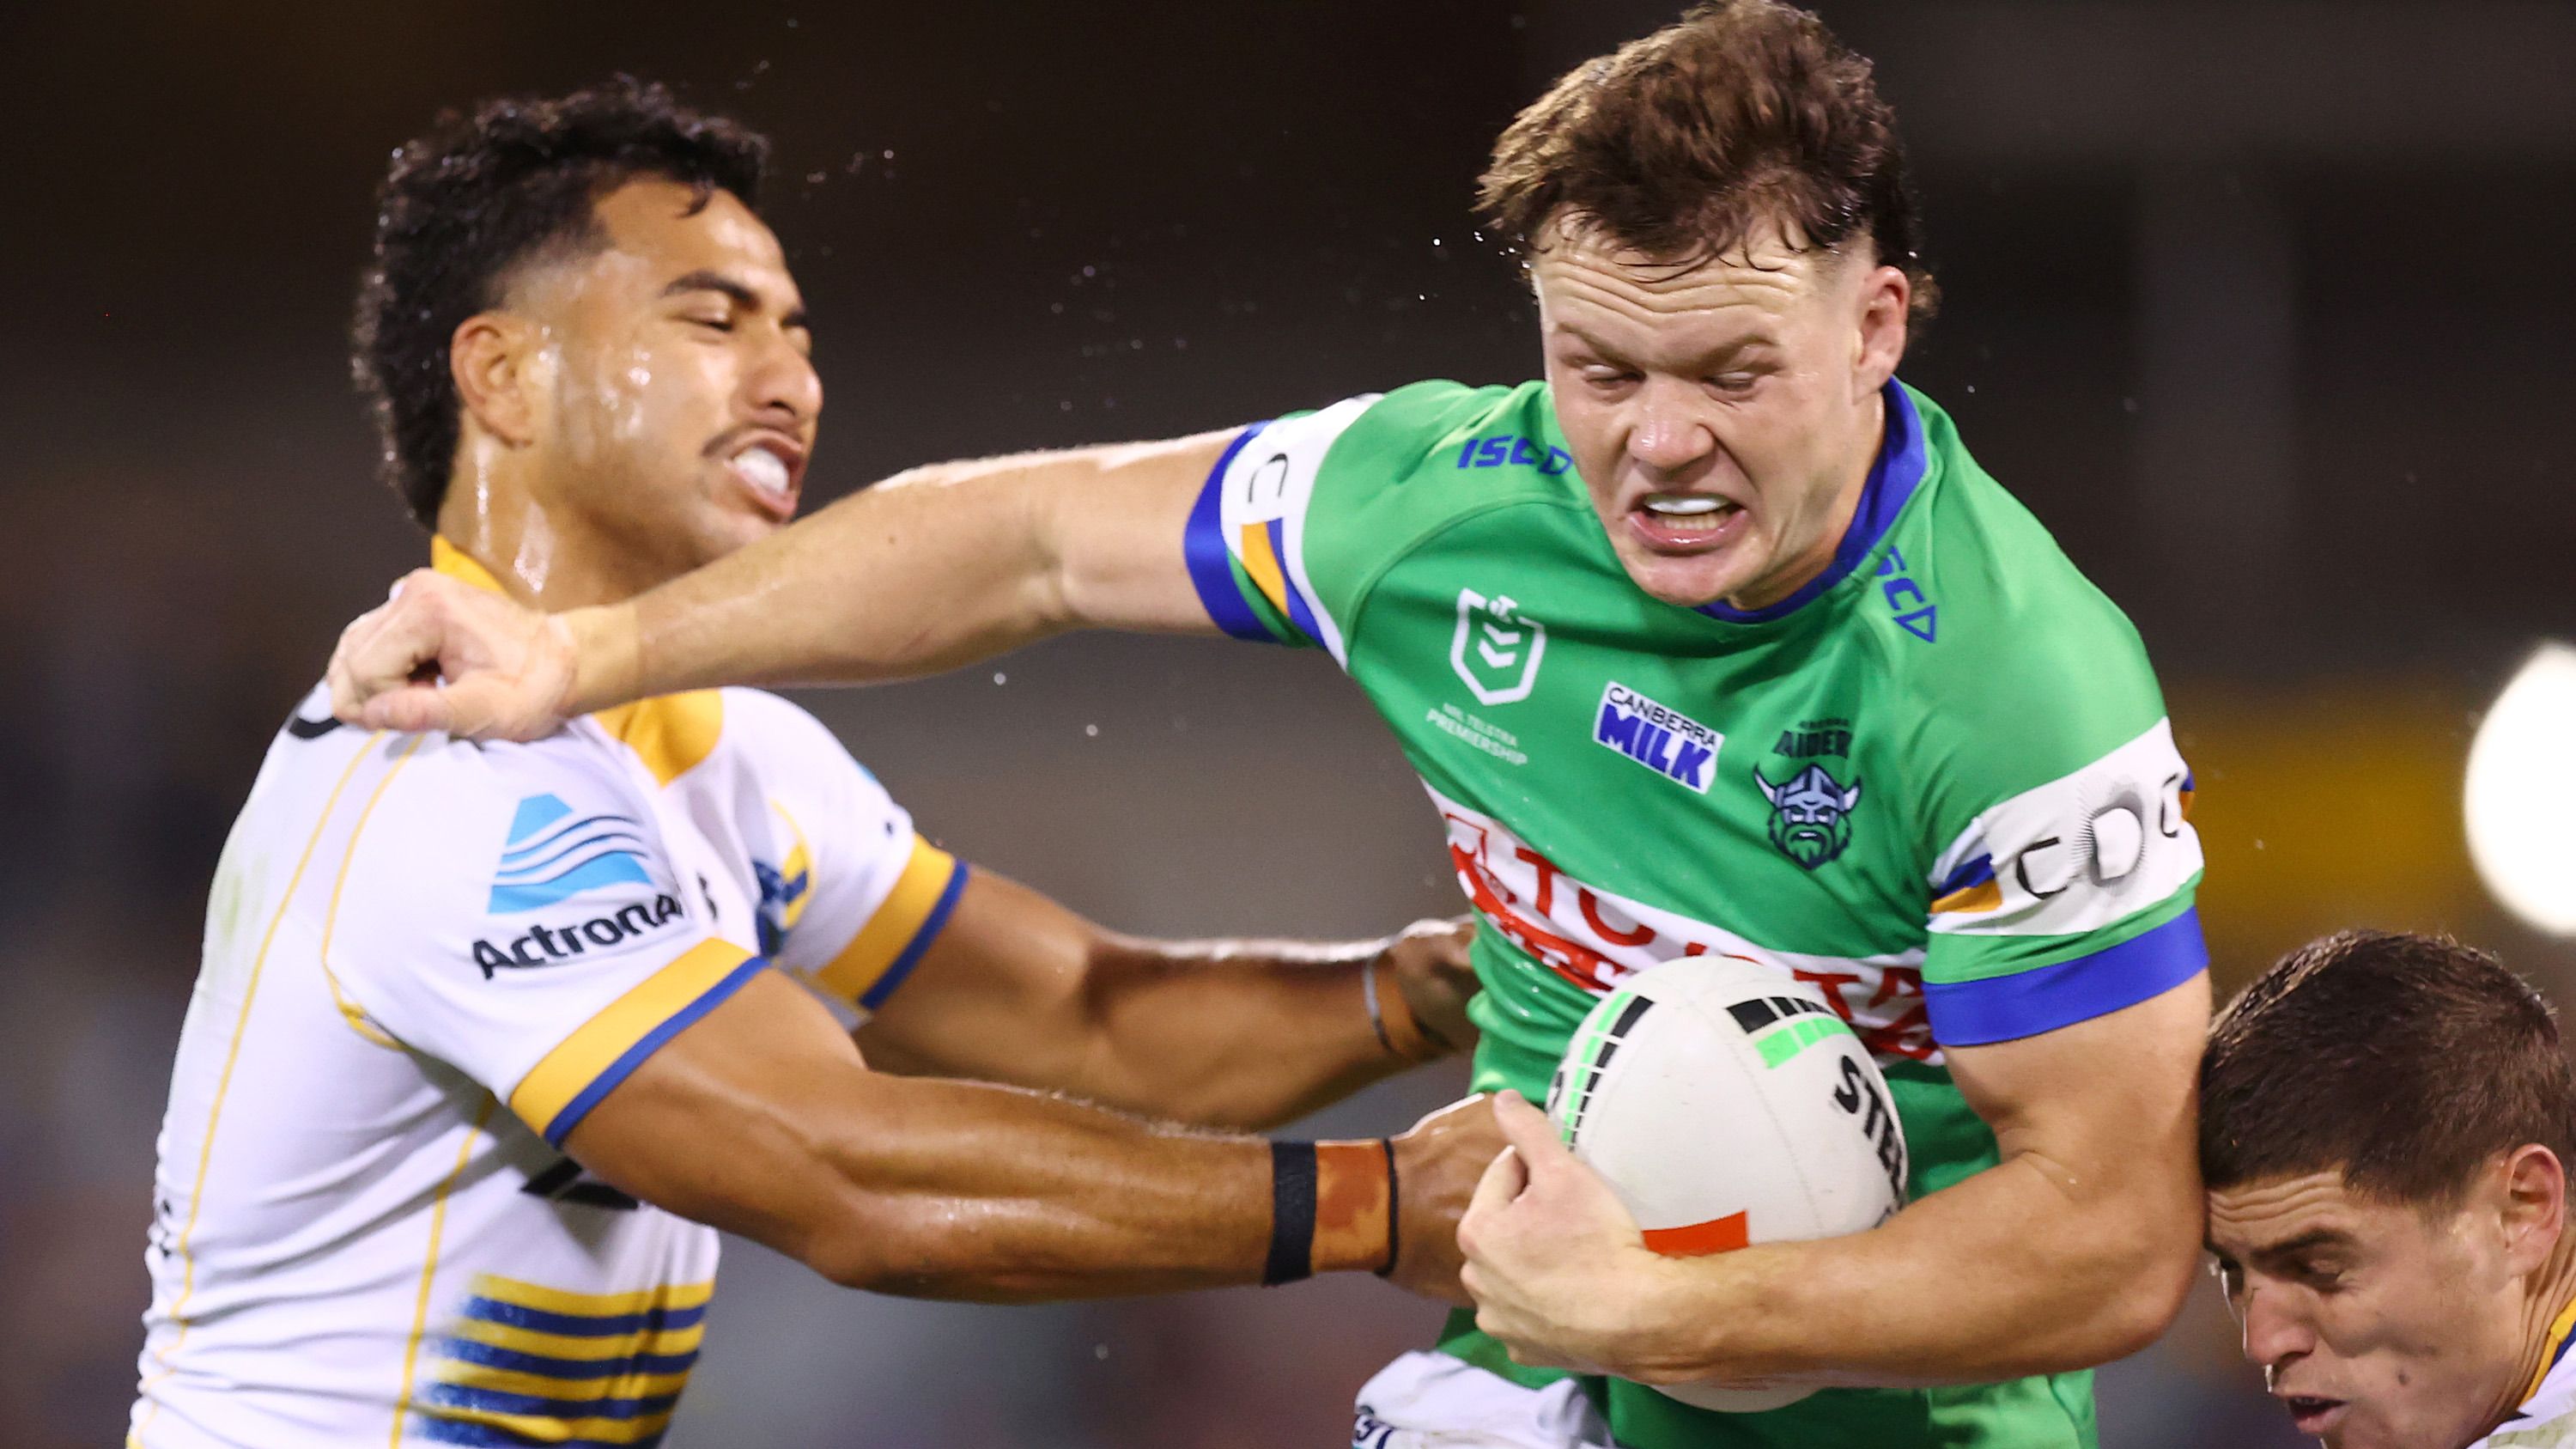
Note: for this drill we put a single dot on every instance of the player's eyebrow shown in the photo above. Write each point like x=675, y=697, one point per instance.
x=704, y=280
x=1734, y=350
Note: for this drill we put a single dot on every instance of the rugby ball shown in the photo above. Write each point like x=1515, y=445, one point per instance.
x=1728, y=1105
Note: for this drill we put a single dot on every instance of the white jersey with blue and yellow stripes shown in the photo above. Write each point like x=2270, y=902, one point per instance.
x=425, y=961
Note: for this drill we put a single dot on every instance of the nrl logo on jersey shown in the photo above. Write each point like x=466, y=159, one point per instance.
x=1810, y=814
x=1497, y=648
x=1659, y=737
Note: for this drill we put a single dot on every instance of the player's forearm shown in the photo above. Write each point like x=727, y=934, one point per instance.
x=1000, y=1195
x=933, y=568
x=2024, y=1268
x=1245, y=1034
x=1230, y=1034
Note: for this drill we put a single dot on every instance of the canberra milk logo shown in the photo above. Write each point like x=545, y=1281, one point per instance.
x=1496, y=649
x=1662, y=739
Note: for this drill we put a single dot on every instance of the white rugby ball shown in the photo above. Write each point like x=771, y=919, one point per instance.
x=1728, y=1105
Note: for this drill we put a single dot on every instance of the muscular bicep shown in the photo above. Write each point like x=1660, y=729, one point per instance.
x=726, y=1122
x=2110, y=1095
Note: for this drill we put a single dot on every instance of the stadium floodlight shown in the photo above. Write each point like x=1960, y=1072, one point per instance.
x=2522, y=793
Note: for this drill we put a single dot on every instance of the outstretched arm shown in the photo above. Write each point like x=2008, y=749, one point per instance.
x=1243, y=1034
x=927, y=570
x=2074, y=1250
x=760, y=1118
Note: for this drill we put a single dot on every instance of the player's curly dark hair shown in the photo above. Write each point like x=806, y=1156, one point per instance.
x=1680, y=143
x=479, y=196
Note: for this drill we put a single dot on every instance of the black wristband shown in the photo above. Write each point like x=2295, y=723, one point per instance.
x=1394, y=1198
x=1292, y=1214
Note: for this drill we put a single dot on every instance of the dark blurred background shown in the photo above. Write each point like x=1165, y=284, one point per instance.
x=2263, y=307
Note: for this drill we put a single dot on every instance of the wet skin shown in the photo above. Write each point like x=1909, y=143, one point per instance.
x=2383, y=1325
x=1724, y=415
x=637, y=409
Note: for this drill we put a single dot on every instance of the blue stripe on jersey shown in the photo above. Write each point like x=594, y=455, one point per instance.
x=1975, y=873
x=1211, y=560
x=2003, y=1008
x=583, y=1325
x=618, y=1070
x=875, y=996
x=1902, y=460
x=511, y=1360
x=1300, y=613
x=475, y=1432
x=493, y=1401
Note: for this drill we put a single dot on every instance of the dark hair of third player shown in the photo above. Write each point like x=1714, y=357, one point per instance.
x=1679, y=144
x=481, y=195
x=2407, y=1062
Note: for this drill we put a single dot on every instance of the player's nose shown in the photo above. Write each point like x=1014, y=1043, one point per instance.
x=1668, y=434
x=2275, y=1331
x=785, y=390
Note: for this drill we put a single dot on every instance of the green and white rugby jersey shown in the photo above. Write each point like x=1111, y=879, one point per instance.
x=1937, y=782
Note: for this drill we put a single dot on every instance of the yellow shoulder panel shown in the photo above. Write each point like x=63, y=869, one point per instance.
x=671, y=733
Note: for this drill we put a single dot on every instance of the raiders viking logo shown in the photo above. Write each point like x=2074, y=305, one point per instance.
x=1810, y=814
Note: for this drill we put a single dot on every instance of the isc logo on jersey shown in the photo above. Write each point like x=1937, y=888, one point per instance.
x=552, y=857
x=1661, y=738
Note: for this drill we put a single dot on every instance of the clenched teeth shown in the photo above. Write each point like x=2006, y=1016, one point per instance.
x=1686, y=505
x=762, y=469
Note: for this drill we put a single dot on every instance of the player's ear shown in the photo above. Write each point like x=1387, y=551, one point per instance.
x=2533, y=1203
x=1885, y=296
x=492, y=358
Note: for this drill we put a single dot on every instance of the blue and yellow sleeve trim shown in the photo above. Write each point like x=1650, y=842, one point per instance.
x=2044, y=998
x=886, y=949
x=585, y=1067
x=1243, y=581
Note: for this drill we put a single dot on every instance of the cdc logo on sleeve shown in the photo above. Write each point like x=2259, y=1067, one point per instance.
x=1727, y=1104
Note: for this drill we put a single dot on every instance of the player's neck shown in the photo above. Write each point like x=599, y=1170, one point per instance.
x=546, y=558
x=2547, y=1306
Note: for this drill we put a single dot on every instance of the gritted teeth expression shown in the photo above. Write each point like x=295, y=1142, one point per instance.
x=1721, y=414
x=687, y=401
x=2377, y=1326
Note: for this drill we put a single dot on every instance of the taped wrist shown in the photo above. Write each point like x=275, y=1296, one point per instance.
x=1332, y=1209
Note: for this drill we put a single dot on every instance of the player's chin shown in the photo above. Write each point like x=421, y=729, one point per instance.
x=1687, y=579
x=723, y=528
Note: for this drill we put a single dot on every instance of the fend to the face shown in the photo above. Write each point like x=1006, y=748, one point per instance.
x=2377, y=1325
x=1723, y=413
x=678, y=397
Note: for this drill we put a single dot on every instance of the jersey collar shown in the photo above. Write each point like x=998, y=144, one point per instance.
x=1902, y=459
x=456, y=563
x=2562, y=1335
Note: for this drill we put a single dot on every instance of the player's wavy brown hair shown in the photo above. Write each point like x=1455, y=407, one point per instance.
x=481, y=195
x=2403, y=1062
x=1678, y=145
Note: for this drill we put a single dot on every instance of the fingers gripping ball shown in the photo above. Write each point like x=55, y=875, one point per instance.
x=1727, y=1105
